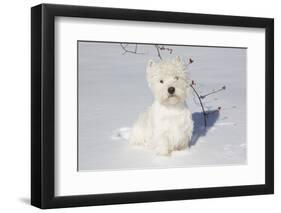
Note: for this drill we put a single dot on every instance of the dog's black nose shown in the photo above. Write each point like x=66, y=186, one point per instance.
x=171, y=90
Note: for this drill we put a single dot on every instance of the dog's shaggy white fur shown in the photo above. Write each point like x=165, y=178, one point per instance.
x=167, y=124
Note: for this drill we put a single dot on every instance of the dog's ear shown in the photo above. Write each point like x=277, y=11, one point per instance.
x=178, y=59
x=150, y=63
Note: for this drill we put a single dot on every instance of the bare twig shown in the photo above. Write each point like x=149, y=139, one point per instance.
x=170, y=50
x=162, y=48
x=126, y=50
x=134, y=50
x=158, y=51
x=215, y=91
x=205, y=114
x=202, y=106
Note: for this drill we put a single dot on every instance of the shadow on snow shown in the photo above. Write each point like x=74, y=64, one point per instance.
x=199, y=128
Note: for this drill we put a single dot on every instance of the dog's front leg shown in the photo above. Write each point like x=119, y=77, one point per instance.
x=162, y=145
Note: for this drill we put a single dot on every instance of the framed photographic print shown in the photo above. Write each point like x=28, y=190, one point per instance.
x=139, y=106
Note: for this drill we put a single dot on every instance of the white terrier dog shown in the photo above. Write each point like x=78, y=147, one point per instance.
x=166, y=125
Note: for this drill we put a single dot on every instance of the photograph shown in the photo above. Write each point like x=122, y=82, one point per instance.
x=141, y=105
x=157, y=106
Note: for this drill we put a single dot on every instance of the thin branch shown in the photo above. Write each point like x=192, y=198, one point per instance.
x=126, y=50
x=158, y=51
x=202, y=106
x=215, y=91
x=205, y=113
x=166, y=48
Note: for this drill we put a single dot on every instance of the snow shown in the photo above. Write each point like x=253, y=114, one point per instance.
x=113, y=91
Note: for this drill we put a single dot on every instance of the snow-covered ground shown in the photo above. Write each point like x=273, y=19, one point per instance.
x=113, y=91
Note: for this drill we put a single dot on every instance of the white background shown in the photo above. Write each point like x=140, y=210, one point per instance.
x=15, y=106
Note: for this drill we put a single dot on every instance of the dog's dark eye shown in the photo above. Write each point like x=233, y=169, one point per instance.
x=177, y=78
x=161, y=81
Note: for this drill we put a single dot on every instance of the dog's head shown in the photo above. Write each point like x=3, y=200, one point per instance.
x=168, y=80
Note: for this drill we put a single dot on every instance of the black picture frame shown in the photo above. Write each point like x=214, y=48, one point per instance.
x=43, y=102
